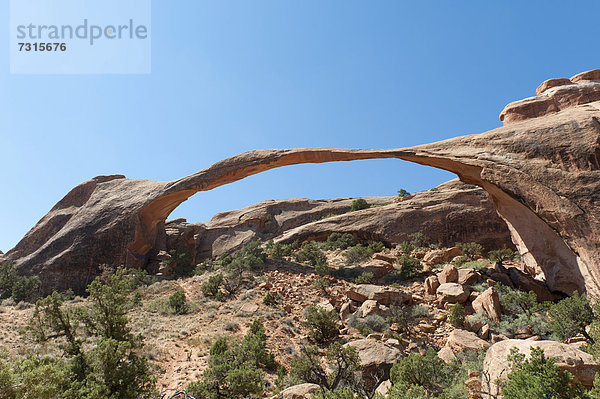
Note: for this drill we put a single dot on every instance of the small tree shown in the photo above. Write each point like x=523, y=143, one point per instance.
x=342, y=362
x=111, y=368
x=571, y=316
x=21, y=288
x=322, y=325
x=408, y=266
x=178, y=302
x=457, y=315
x=359, y=204
x=235, y=369
x=539, y=378
x=470, y=250
x=501, y=255
x=403, y=193
x=311, y=253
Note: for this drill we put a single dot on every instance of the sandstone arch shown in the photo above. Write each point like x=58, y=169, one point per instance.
x=542, y=173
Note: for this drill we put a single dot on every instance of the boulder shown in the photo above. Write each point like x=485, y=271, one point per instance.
x=449, y=274
x=468, y=276
x=484, y=332
x=489, y=302
x=462, y=340
x=579, y=363
x=302, y=391
x=431, y=284
x=376, y=358
x=383, y=294
x=453, y=293
x=446, y=355
x=383, y=388
x=371, y=307
x=386, y=257
x=345, y=310
x=379, y=268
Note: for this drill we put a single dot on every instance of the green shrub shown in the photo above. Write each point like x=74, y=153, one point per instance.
x=428, y=372
x=473, y=264
x=368, y=324
x=321, y=284
x=357, y=254
x=322, y=325
x=456, y=315
x=235, y=369
x=339, y=241
x=211, y=287
x=178, y=302
x=21, y=288
x=376, y=246
x=270, y=299
x=522, y=312
x=110, y=367
x=252, y=256
x=322, y=269
x=406, y=247
x=403, y=193
x=404, y=316
x=470, y=249
x=183, y=259
x=409, y=266
x=539, y=378
x=311, y=253
x=419, y=240
x=364, y=278
x=32, y=377
x=342, y=363
x=502, y=255
x=571, y=316
x=359, y=204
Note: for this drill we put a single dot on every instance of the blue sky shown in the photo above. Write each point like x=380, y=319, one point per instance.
x=232, y=76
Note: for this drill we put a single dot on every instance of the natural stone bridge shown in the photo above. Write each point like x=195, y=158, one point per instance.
x=541, y=170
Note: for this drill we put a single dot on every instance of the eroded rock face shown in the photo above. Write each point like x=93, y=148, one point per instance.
x=542, y=173
x=567, y=357
x=555, y=95
x=454, y=212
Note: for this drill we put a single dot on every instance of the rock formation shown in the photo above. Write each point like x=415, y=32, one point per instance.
x=453, y=212
x=541, y=170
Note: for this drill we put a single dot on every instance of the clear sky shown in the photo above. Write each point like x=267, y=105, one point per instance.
x=231, y=76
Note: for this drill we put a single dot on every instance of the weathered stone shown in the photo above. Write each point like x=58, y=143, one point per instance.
x=468, y=276
x=370, y=307
x=452, y=293
x=383, y=388
x=326, y=305
x=383, y=294
x=376, y=358
x=579, y=363
x=302, y=391
x=489, y=302
x=484, y=332
x=431, y=285
x=462, y=340
x=446, y=355
x=386, y=257
x=345, y=310
x=449, y=274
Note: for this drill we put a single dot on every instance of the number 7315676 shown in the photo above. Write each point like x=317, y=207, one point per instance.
x=42, y=47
